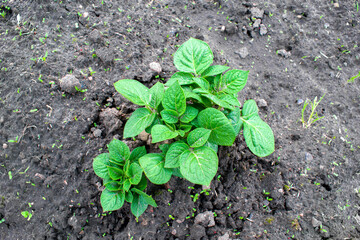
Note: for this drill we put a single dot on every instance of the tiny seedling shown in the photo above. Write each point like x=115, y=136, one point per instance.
x=123, y=178
x=352, y=79
x=313, y=117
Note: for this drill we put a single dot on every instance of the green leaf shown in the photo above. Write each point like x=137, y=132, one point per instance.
x=137, y=153
x=148, y=199
x=258, y=136
x=156, y=94
x=111, y=201
x=142, y=184
x=100, y=164
x=153, y=165
x=127, y=185
x=173, y=155
x=139, y=120
x=199, y=166
x=203, y=83
x=182, y=77
x=138, y=205
x=218, y=101
x=233, y=81
x=217, y=82
x=161, y=133
x=115, y=173
x=113, y=186
x=129, y=197
x=174, y=99
x=189, y=114
x=185, y=127
x=169, y=116
x=200, y=90
x=190, y=94
x=235, y=119
x=193, y=56
x=118, y=151
x=135, y=172
x=198, y=137
x=222, y=133
x=230, y=99
x=164, y=147
x=134, y=91
x=249, y=109
x=177, y=173
x=155, y=122
x=212, y=146
x=214, y=70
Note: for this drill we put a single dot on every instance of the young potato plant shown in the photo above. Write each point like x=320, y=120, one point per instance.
x=123, y=178
x=197, y=110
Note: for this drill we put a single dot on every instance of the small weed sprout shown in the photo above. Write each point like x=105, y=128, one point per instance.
x=352, y=79
x=313, y=117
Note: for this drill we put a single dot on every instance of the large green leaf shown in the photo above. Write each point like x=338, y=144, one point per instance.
x=156, y=94
x=189, y=114
x=111, y=201
x=169, y=116
x=222, y=132
x=174, y=99
x=134, y=91
x=199, y=166
x=214, y=70
x=173, y=154
x=139, y=120
x=233, y=81
x=193, y=56
x=138, y=205
x=235, y=119
x=182, y=77
x=153, y=165
x=249, y=109
x=100, y=164
x=198, y=137
x=137, y=153
x=161, y=133
x=258, y=136
x=148, y=199
x=118, y=151
x=135, y=172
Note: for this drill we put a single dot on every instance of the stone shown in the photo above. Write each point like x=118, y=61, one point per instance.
x=95, y=36
x=308, y=157
x=97, y=133
x=315, y=223
x=283, y=53
x=257, y=13
x=262, y=103
x=230, y=29
x=257, y=23
x=206, y=219
x=110, y=118
x=243, y=52
x=226, y=236
x=197, y=232
x=5, y=146
x=156, y=67
x=300, y=101
x=68, y=83
x=263, y=30
x=143, y=136
x=75, y=223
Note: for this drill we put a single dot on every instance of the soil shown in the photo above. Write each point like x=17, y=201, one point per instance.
x=295, y=50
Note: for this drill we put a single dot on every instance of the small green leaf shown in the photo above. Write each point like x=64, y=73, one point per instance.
x=249, y=109
x=189, y=114
x=169, y=116
x=129, y=197
x=164, y=147
x=199, y=166
x=138, y=205
x=214, y=70
x=182, y=77
x=185, y=127
x=161, y=133
x=111, y=201
x=203, y=83
x=233, y=81
x=190, y=94
x=173, y=155
x=148, y=199
x=153, y=165
x=115, y=173
x=258, y=136
x=155, y=122
x=100, y=164
x=127, y=185
x=118, y=151
x=198, y=137
x=218, y=101
x=222, y=131
x=137, y=153
x=235, y=119
x=174, y=99
x=135, y=172
x=113, y=186
x=230, y=99
x=193, y=56
x=156, y=94
x=139, y=120
x=142, y=184
x=134, y=91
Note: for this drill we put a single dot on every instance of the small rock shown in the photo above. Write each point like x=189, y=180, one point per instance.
x=308, y=157
x=5, y=146
x=262, y=103
x=326, y=25
x=105, y=55
x=257, y=23
x=263, y=30
x=95, y=36
x=256, y=13
x=283, y=53
x=243, y=52
x=75, y=223
x=97, y=133
x=143, y=136
x=336, y=5
x=69, y=82
x=224, y=237
x=300, y=101
x=230, y=29
x=206, y=219
x=156, y=67
x=315, y=222
x=110, y=119
x=197, y=232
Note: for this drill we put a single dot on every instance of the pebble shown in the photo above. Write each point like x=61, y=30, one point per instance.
x=75, y=223
x=156, y=67
x=69, y=82
x=97, y=133
x=326, y=25
x=256, y=13
x=308, y=157
x=5, y=146
x=262, y=103
x=206, y=219
x=315, y=222
x=243, y=52
x=263, y=30
x=300, y=101
x=224, y=237
x=257, y=23
x=95, y=36
x=336, y=5
x=197, y=232
x=230, y=29
x=143, y=136
x=283, y=53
